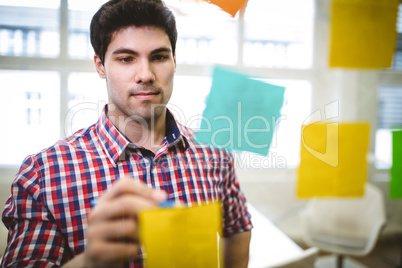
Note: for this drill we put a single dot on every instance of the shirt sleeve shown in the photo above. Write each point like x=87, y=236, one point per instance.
x=34, y=240
x=236, y=217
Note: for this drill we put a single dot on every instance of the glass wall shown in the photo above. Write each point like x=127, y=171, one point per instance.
x=46, y=46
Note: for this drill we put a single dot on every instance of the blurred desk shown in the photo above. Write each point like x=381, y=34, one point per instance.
x=269, y=245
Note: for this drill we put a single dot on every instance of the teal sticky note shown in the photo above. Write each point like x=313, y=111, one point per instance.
x=396, y=170
x=241, y=112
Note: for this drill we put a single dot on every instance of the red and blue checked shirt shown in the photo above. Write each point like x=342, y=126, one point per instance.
x=52, y=193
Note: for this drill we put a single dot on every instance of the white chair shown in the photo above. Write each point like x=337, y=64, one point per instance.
x=305, y=260
x=344, y=226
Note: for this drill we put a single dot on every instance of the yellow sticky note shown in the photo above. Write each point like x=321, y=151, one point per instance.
x=333, y=160
x=363, y=33
x=182, y=237
x=229, y=6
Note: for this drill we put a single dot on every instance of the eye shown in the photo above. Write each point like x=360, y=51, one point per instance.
x=126, y=59
x=159, y=57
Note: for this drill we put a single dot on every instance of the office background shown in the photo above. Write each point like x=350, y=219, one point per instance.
x=49, y=87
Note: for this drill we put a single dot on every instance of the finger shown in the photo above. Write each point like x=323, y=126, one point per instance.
x=128, y=185
x=124, y=229
x=112, y=252
x=125, y=205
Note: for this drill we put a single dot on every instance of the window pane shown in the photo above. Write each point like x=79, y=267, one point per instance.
x=87, y=97
x=80, y=15
x=30, y=112
x=389, y=117
x=383, y=148
x=188, y=99
x=206, y=34
x=54, y=4
x=295, y=111
x=91, y=6
x=29, y=28
x=279, y=34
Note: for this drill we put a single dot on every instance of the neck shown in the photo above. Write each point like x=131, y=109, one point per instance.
x=149, y=135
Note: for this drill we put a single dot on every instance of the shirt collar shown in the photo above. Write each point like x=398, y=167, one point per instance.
x=115, y=143
x=173, y=133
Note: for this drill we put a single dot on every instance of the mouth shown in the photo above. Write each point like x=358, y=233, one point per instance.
x=146, y=95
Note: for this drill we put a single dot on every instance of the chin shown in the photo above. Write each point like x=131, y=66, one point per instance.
x=146, y=115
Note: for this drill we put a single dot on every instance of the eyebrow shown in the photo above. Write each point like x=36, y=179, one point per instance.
x=130, y=51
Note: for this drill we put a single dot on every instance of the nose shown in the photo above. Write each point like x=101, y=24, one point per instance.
x=144, y=73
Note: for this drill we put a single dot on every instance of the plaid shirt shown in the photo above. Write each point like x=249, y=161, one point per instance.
x=46, y=213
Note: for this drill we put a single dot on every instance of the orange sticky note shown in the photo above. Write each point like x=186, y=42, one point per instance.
x=229, y=6
x=363, y=33
x=333, y=160
x=182, y=237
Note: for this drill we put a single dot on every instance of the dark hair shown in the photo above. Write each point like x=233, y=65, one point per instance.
x=117, y=14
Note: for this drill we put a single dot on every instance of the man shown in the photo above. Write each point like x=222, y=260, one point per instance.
x=135, y=156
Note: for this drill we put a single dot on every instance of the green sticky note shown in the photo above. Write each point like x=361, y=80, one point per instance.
x=241, y=112
x=396, y=170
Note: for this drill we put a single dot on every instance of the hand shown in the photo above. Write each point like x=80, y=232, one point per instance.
x=112, y=235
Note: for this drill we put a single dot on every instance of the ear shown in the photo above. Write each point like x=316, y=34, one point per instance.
x=100, y=69
x=174, y=61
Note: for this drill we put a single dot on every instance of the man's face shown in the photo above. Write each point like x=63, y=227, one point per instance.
x=139, y=67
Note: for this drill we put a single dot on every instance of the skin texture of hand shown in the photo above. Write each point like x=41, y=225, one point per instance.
x=112, y=235
x=236, y=250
